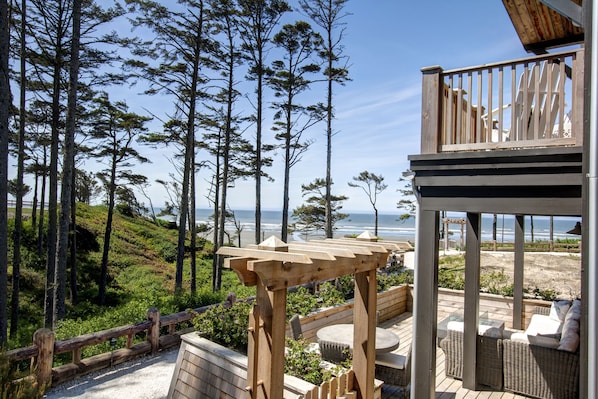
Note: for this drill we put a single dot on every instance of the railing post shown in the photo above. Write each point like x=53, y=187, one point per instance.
x=43, y=339
x=153, y=333
x=431, y=112
x=577, y=117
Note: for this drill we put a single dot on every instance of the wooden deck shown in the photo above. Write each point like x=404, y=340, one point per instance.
x=446, y=387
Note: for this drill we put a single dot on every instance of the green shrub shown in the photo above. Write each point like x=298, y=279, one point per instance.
x=301, y=302
x=496, y=282
x=346, y=285
x=301, y=362
x=386, y=281
x=168, y=251
x=11, y=387
x=329, y=295
x=226, y=325
x=452, y=278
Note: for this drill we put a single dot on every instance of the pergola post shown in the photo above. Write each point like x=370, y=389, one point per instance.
x=364, y=348
x=266, y=351
x=425, y=305
x=471, y=301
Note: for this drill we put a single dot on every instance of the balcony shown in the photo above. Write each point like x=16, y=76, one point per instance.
x=503, y=138
x=529, y=103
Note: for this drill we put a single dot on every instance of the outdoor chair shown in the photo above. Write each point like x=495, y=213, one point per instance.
x=295, y=325
x=393, y=368
x=489, y=365
x=535, y=107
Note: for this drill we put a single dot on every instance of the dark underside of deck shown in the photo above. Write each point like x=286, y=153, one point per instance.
x=540, y=181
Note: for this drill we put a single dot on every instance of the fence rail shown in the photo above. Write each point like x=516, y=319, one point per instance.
x=45, y=347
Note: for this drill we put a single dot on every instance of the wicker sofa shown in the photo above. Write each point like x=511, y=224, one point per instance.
x=544, y=364
x=540, y=362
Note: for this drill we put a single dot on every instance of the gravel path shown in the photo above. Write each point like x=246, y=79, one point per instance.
x=145, y=378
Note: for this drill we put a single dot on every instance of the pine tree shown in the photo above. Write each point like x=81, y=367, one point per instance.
x=292, y=76
x=372, y=185
x=329, y=15
x=115, y=130
x=258, y=20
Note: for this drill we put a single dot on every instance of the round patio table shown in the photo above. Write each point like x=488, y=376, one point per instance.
x=386, y=341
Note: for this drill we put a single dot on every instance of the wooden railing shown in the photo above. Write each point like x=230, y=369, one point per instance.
x=533, y=102
x=160, y=333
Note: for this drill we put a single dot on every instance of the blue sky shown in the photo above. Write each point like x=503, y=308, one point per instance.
x=378, y=112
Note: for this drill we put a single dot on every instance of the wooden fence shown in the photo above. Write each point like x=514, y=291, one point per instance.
x=45, y=347
x=340, y=387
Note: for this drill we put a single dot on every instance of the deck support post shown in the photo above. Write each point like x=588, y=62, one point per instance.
x=518, y=272
x=425, y=305
x=472, y=299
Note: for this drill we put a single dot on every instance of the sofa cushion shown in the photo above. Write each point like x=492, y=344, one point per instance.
x=543, y=325
x=574, y=310
x=559, y=309
x=570, y=335
x=569, y=343
x=538, y=340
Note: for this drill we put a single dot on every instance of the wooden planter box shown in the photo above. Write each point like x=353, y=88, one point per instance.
x=208, y=370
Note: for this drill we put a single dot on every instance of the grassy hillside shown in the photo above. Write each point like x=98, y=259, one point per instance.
x=141, y=275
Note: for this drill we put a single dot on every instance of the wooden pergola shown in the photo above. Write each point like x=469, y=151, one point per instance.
x=273, y=266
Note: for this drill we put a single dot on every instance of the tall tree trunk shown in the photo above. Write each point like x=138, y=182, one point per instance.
x=287, y=176
x=376, y=221
x=16, y=254
x=73, y=248
x=193, y=229
x=42, y=205
x=226, y=153
x=258, y=153
x=34, y=202
x=217, y=215
x=494, y=226
x=329, y=144
x=4, y=112
x=107, y=233
x=189, y=155
x=49, y=316
x=68, y=166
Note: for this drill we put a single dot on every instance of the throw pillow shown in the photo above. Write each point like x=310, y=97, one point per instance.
x=569, y=343
x=570, y=337
x=559, y=309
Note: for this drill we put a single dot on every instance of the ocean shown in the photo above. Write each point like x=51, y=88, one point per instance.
x=391, y=228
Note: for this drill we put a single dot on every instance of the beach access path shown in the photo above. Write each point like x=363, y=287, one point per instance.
x=147, y=377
